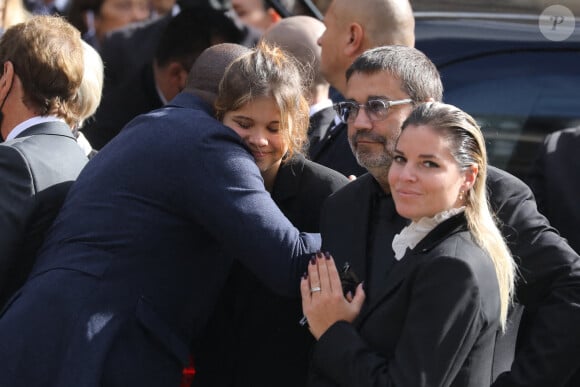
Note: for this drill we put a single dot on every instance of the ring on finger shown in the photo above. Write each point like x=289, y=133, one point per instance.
x=315, y=289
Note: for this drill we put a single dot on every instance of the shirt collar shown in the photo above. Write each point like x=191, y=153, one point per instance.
x=21, y=127
x=320, y=106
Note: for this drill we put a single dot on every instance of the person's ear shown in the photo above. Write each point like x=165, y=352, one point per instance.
x=470, y=176
x=355, y=44
x=430, y=99
x=177, y=75
x=274, y=16
x=6, y=79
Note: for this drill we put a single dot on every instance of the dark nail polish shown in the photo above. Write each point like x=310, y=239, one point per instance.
x=313, y=260
x=305, y=275
x=327, y=254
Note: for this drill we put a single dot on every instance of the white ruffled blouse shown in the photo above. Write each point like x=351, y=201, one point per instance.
x=411, y=235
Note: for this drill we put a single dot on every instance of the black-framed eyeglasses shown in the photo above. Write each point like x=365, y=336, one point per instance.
x=376, y=109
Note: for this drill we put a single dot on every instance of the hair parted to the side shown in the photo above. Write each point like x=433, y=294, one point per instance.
x=419, y=77
x=467, y=146
x=267, y=71
x=47, y=55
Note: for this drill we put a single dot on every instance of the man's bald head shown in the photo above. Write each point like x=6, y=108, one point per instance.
x=298, y=35
x=352, y=27
x=208, y=69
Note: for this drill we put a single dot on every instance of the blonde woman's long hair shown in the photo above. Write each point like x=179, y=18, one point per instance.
x=467, y=146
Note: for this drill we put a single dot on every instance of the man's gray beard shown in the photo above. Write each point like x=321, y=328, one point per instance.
x=371, y=161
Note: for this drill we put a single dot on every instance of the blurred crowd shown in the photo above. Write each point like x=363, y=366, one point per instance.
x=184, y=180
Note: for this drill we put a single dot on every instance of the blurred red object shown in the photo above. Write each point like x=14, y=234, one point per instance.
x=188, y=373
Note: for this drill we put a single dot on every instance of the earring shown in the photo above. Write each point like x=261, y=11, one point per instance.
x=461, y=195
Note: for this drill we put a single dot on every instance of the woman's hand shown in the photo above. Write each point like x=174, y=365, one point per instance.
x=323, y=302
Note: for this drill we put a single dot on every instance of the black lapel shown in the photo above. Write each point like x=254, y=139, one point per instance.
x=287, y=183
x=316, y=148
x=360, y=210
x=409, y=262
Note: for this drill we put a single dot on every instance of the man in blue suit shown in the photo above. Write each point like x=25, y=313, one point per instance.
x=132, y=266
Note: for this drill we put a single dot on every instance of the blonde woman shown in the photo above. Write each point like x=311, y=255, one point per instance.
x=436, y=315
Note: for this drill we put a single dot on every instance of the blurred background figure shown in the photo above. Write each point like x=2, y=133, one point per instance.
x=555, y=183
x=162, y=78
x=47, y=7
x=89, y=95
x=298, y=35
x=95, y=18
x=12, y=12
x=161, y=8
x=258, y=13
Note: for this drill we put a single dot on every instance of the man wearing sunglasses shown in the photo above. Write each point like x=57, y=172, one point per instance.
x=359, y=221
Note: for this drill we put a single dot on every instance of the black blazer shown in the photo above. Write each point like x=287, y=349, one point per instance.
x=319, y=123
x=549, y=285
x=433, y=324
x=135, y=95
x=555, y=184
x=36, y=171
x=333, y=151
x=255, y=339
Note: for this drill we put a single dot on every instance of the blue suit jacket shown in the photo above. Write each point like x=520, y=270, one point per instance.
x=133, y=264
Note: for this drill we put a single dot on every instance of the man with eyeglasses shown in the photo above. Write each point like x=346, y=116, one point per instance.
x=351, y=28
x=359, y=221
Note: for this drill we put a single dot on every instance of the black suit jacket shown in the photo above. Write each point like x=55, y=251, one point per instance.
x=555, y=184
x=36, y=171
x=319, y=123
x=255, y=339
x=549, y=285
x=136, y=95
x=125, y=51
x=433, y=324
x=333, y=151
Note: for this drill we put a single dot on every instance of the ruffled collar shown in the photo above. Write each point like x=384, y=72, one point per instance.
x=412, y=234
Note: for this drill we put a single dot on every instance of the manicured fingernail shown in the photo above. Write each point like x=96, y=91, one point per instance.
x=313, y=260
x=327, y=254
x=305, y=275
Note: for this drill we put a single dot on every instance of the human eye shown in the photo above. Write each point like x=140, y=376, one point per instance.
x=273, y=129
x=377, y=107
x=244, y=124
x=430, y=164
x=399, y=159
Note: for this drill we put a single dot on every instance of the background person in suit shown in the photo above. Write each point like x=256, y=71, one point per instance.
x=42, y=68
x=549, y=288
x=298, y=35
x=554, y=182
x=262, y=99
x=433, y=319
x=96, y=18
x=258, y=14
x=126, y=50
x=140, y=240
x=351, y=28
x=161, y=79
